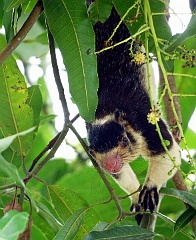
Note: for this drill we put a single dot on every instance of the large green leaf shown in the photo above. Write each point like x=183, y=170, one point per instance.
x=16, y=115
x=36, y=233
x=71, y=28
x=71, y=226
x=43, y=215
x=100, y=10
x=184, y=196
x=66, y=202
x=184, y=219
x=88, y=184
x=13, y=224
x=124, y=232
x=46, y=212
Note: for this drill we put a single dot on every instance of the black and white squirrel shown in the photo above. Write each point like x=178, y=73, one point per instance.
x=121, y=131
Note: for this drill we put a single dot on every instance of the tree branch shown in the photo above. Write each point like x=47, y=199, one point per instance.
x=57, y=75
x=48, y=147
x=177, y=178
x=34, y=15
x=171, y=120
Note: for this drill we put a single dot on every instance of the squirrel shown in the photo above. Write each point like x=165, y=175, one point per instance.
x=121, y=131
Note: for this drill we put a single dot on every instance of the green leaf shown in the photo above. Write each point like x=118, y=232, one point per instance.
x=66, y=202
x=8, y=22
x=95, y=191
x=100, y=226
x=11, y=171
x=1, y=13
x=6, y=142
x=35, y=101
x=189, y=32
x=36, y=233
x=42, y=38
x=71, y=226
x=43, y=215
x=46, y=212
x=12, y=224
x=124, y=232
x=184, y=196
x=100, y=10
x=161, y=26
x=68, y=21
x=47, y=118
x=15, y=4
x=190, y=138
x=16, y=115
x=184, y=219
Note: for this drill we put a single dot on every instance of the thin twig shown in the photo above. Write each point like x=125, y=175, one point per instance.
x=48, y=147
x=34, y=15
x=57, y=75
x=41, y=154
x=132, y=37
x=49, y=156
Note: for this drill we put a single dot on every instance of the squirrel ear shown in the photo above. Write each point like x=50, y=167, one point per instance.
x=118, y=115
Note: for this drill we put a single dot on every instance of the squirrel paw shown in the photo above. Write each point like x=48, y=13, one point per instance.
x=148, y=199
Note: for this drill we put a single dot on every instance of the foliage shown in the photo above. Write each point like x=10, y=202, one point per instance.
x=57, y=199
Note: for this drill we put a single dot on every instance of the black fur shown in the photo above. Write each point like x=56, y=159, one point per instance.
x=103, y=138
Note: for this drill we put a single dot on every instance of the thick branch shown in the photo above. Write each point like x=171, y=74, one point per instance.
x=171, y=120
x=34, y=15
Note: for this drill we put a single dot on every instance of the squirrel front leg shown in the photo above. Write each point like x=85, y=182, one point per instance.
x=161, y=169
x=128, y=181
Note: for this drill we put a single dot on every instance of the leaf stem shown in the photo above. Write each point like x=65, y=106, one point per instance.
x=124, y=41
x=122, y=19
x=13, y=185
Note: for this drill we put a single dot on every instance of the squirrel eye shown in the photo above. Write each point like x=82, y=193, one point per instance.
x=125, y=142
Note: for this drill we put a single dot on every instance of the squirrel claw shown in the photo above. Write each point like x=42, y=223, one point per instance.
x=149, y=198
